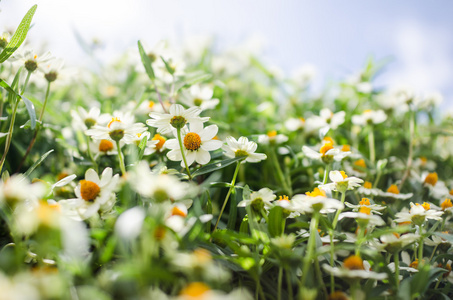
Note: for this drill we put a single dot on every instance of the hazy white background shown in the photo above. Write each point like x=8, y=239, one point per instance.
x=335, y=36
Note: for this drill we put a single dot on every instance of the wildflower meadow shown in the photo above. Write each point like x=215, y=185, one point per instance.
x=182, y=173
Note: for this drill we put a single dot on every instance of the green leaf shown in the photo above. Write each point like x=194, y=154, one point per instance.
x=168, y=67
x=276, y=221
x=37, y=163
x=216, y=166
x=30, y=107
x=191, y=79
x=146, y=62
x=142, y=147
x=19, y=35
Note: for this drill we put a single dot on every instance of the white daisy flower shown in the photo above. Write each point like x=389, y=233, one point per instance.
x=272, y=138
x=327, y=153
x=368, y=190
x=369, y=117
x=294, y=124
x=200, y=96
x=341, y=182
x=31, y=60
x=365, y=202
x=83, y=120
x=417, y=214
x=18, y=189
x=436, y=187
x=259, y=200
x=315, y=201
x=393, y=192
x=94, y=194
x=354, y=268
x=51, y=69
x=159, y=187
x=242, y=147
x=363, y=217
x=120, y=128
x=394, y=242
x=326, y=118
x=197, y=144
x=177, y=118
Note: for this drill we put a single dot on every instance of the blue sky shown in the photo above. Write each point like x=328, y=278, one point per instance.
x=335, y=36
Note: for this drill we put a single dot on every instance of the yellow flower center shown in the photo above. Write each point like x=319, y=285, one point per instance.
x=326, y=147
x=424, y=160
x=365, y=201
x=353, y=262
x=192, y=141
x=316, y=193
x=62, y=175
x=360, y=163
x=194, y=290
x=343, y=174
x=47, y=212
x=283, y=198
x=365, y=210
x=272, y=133
x=367, y=185
x=338, y=295
x=396, y=234
x=151, y=104
x=240, y=153
x=328, y=139
x=114, y=119
x=367, y=111
x=176, y=211
x=105, y=146
x=197, y=101
x=414, y=264
x=161, y=139
x=159, y=233
x=393, y=189
x=346, y=148
x=431, y=179
x=446, y=204
x=426, y=206
x=203, y=256
x=89, y=190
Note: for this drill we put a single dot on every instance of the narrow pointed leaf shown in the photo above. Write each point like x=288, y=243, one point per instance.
x=146, y=62
x=19, y=36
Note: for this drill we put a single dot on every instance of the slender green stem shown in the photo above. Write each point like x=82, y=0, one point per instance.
x=120, y=158
x=159, y=97
x=289, y=286
x=411, y=150
x=332, y=254
x=181, y=146
x=397, y=270
x=35, y=135
x=25, y=83
x=371, y=145
x=326, y=173
x=360, y=235
x=45, y=101
x=280, y=280
x=280, y=174
x=335, y=220
x=238, y=164
x=90, y=155
x=11, y=124
x=310, y=247
x=420, y=248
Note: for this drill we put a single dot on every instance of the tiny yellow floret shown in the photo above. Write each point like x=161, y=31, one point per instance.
x=192, y=141
x=353, y=262
x=114, y=119
x=368, y=185
x=446, y=204
x=431, y=179
x=393, y=189
x=346, y=148
x=89, y=190
x=316, y=193
x=343, y=174
x=105, y=146
x=365, y=201
x=194, y=290
x=326, y=147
